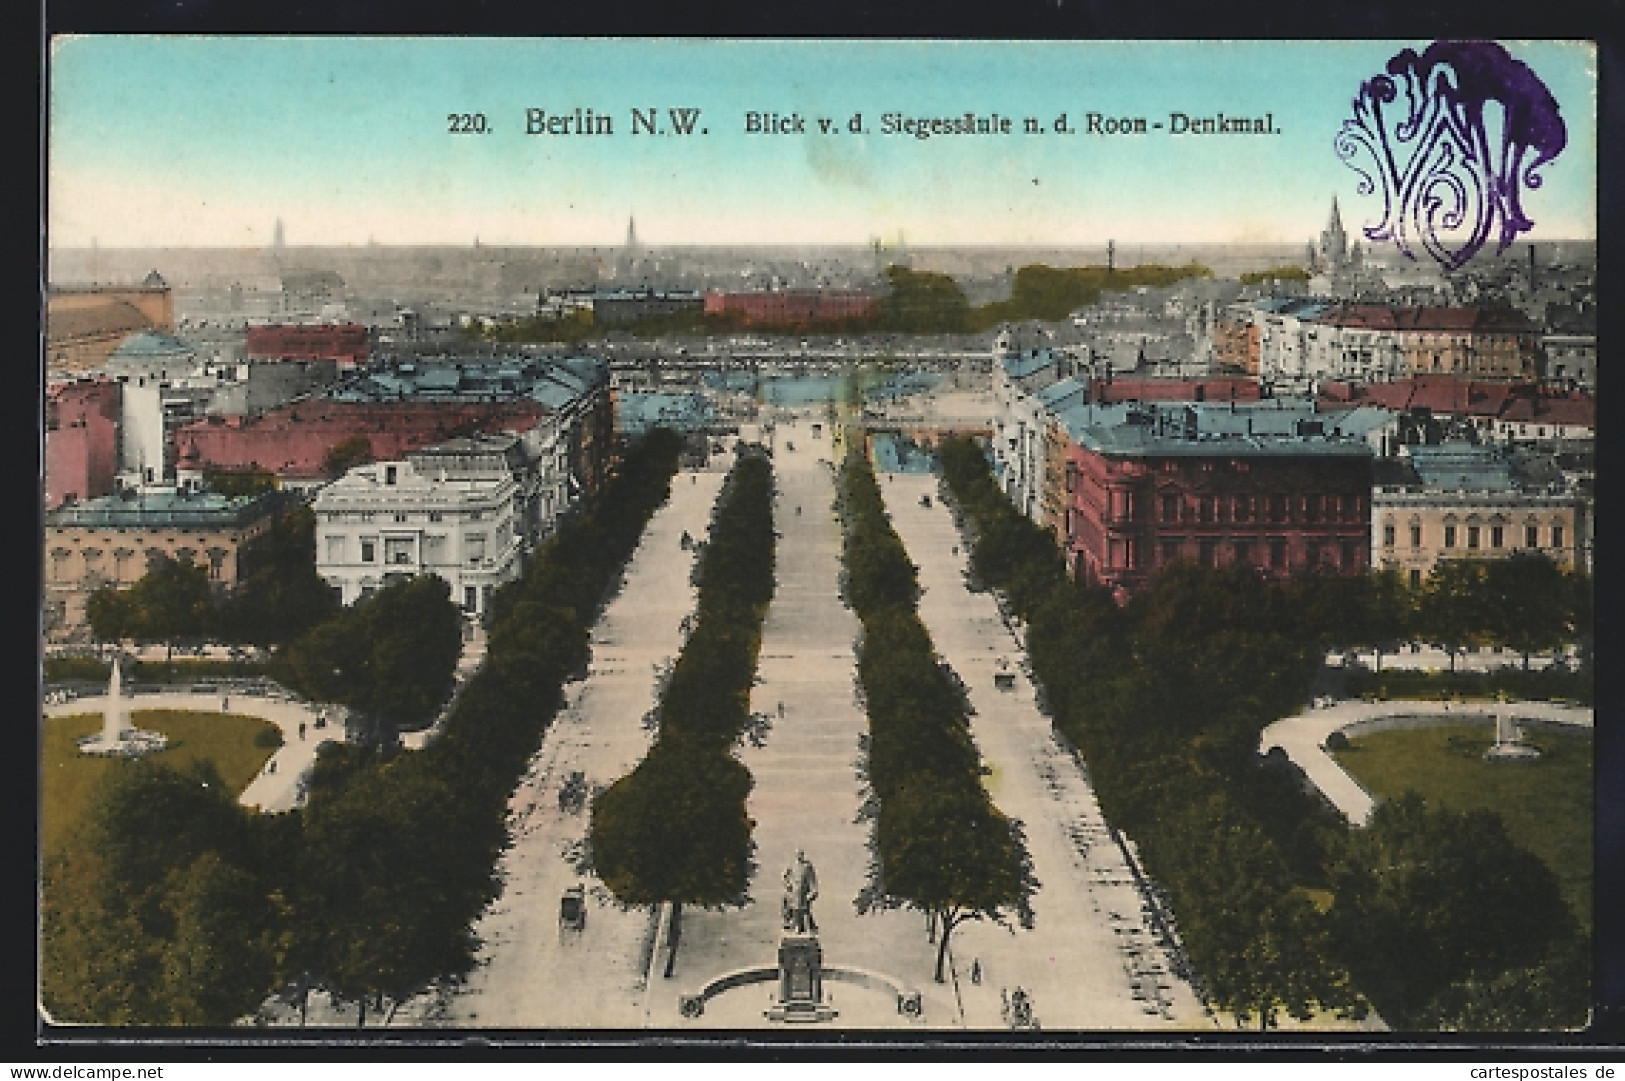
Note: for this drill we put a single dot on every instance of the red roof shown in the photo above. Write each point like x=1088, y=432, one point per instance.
x=1570, y=411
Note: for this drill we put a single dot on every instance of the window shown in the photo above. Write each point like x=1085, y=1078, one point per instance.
x=397, y=550
x=389, y=474
x=1388, y=535
x=335, y=549
x=1210, y=553
x=1244, y=552
x=369, y=550
x=400, y=516
x=1351, y=554
x=1449, y=536
x=1170, y=508
x=470, y=598
x=1416, y=578
x=1170, y=551
x=1277, y=508
x=1311, y=508
x=1472, y=536
x=1277, y=552
x=474, y=548
x=1531, y=536
x=1557, y=536
x=1206, y=508
x=1497, y=536
x=435, y=516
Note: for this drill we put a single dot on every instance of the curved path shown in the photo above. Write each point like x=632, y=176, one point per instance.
x=276, y=788
x=1303, y=737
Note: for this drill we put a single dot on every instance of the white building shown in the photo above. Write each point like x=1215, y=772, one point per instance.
x=1020, y=423
x=386, y=521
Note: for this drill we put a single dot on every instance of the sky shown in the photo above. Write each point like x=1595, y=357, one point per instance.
x=208, y=141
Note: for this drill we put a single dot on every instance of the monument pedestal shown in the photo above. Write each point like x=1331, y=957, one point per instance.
x=801, y=982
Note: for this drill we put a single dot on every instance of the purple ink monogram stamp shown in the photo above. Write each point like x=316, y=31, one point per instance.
x=1452, y=137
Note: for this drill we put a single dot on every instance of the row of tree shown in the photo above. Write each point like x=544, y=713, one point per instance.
x=1166, y=699
x=675, y=829
x=173, y=905
x=939, y=845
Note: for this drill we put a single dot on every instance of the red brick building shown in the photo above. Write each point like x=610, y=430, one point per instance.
x=81, y=441
x=293, y=442
x=1152, y=487
x=346, y=343
x=790, y=307
x=1111, y=389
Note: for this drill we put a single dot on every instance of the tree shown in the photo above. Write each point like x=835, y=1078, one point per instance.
x=348, y=452
x=221, y=960
x=1391, y=617
x=942, y=848
x=171, y=602
x=389, y=881
x=1453, y=610
x=1428, y=900
x=675, y=829
x=392, y=658
x=1530, y=603
x=279, y=595
x=155, y=912
x=111, y=613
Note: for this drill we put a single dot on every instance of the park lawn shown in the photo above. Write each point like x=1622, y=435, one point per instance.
x=69, y=779
x=1546, y=804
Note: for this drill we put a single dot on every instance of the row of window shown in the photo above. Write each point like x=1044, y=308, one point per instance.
x=1274, y=508
x=397, y=551
x=1474, y=536
x=335, y=516
x=1270, y=553
x=215, y=559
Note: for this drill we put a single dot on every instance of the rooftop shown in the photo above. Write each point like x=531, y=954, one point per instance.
x=170, y=509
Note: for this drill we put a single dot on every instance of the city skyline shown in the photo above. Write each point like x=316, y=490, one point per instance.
x=207, y=142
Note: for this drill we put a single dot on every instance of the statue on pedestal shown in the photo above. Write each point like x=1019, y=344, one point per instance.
x=800, y=890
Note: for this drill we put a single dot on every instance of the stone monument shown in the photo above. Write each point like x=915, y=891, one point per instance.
x=801, y=958
x=117, y=738
x=1509, y=745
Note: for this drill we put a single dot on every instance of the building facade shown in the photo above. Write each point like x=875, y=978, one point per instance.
x=114, y=540
x=792, y=307
x=388, y=521
x=1462, y=501
x=348, y=345
x=81, y=441
x=1150, y=488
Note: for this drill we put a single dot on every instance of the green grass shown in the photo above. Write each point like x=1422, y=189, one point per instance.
x=69, y=778
x=1546, y=804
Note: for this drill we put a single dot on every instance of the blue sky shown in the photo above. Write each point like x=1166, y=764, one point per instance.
x=207, y=141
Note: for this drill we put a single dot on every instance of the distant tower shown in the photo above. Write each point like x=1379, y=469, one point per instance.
x=631, y=236
x=1334, y=243
x=1111, y=255
x=277, y=238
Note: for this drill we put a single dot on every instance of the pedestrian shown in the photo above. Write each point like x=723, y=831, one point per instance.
x=798, y=510
x=301, y=729
x=976, y=970
x=781, y=711
x=270, y=767
x=225, y=704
